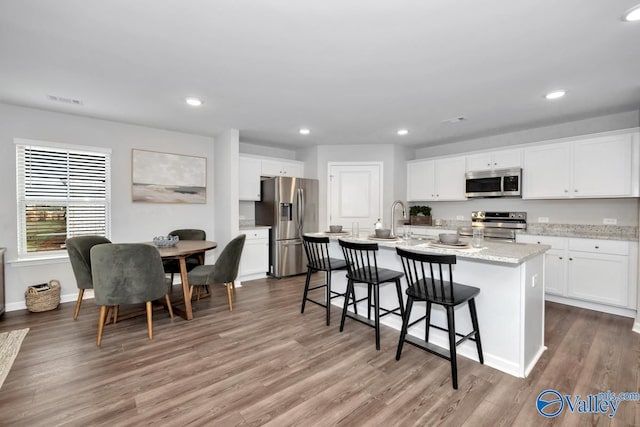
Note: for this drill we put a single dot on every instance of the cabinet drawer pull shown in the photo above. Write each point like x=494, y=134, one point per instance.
x=597, y=247
x=570, y=259
x=559, y=257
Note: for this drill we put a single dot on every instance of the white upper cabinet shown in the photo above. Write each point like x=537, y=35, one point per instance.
x=421, y=184
x=503, y=159
x=438, y=179
x=277, y=167
x=546, y=172
x=603, y=166
x=249, y=178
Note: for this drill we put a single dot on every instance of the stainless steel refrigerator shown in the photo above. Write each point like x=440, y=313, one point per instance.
x=290, y=207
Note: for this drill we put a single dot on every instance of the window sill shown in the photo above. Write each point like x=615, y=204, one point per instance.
x=28, y=262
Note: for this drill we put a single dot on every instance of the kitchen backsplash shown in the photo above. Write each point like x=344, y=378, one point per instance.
x=621, y=232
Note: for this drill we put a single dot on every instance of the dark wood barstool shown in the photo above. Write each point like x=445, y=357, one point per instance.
x=434, y=289
x=318, y=259
x=362, y=267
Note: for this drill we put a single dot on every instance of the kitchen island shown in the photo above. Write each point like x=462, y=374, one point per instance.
x=510, y=304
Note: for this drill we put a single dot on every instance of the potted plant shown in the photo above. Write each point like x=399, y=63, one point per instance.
x=420, y=215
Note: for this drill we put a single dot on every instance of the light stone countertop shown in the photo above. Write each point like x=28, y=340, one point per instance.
x=507, y=253
x=254, y=227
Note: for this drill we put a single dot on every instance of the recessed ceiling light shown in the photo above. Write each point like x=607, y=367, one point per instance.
x=555, y=94
x=633, y=14
x=304, y=131
x=402, y=131
x=194, y=102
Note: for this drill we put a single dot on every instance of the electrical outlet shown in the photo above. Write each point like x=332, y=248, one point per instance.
x=543, y=219
x=610, y=221
x=459, y=217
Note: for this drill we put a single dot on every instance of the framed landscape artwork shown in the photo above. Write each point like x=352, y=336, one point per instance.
x=168, y=178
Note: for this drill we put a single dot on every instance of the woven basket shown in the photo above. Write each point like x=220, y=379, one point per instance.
x=43, y=300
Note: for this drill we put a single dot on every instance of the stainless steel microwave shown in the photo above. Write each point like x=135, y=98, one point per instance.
x=494, y=183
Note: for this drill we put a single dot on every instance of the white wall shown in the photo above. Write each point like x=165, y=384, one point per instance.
x=227, y=165
x=393, y=170
x=265, y=151
x=624, y=120
x=131, y=222
x=588, y=211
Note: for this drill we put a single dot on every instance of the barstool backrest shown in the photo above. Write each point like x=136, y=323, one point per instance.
x=317, y=251
x=414, y=270
x=361, y=259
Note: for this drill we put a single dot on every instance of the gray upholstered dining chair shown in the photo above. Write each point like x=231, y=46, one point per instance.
x=79, y=249
x=172, y=266
x=225, y=270
x=128, y=273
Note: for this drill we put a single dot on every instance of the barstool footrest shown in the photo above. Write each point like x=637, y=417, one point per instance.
x=427, y=346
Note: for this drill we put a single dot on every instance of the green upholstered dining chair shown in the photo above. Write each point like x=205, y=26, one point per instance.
x=128, y=273
x=79, y=249
x=225, y=270
x=173, y=265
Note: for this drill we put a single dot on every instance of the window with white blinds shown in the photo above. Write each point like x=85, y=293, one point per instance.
x=63, y=191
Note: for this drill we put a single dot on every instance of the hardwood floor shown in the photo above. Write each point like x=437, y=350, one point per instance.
x=267, y=364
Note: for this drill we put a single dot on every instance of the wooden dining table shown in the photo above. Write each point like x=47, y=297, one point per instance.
x=180, y=252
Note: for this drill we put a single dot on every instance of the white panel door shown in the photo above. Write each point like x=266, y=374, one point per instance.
x=355, y=195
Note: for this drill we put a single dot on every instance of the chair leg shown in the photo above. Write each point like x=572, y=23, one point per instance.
x=400, y=301
x=198, y=293
x=228, y=285
x=76, y=311
x=101, y=320
x=452, y=347
x=377, y=314
x=474, y=322
x=369, y=301
x=306, y=290
x=150, y=319
x=190, y=292
x=168, y=301
x=115, y=313
x=233, y=288
x=328, y=289
x=346, y=303
x=353, y=295
x=405, y=324
x=427, y=322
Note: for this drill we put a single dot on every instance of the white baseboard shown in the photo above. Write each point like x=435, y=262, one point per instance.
x=15, y=306
x=620, y=311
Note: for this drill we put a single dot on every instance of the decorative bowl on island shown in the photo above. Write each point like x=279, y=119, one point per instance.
x=335, y=228
x=165, y=241
x=448, y=238
x=383, y=233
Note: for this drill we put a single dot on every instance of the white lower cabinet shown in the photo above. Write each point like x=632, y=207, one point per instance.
x=592, y=270
x=255, y=255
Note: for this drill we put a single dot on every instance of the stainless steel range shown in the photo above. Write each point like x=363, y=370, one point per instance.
x=496, y=225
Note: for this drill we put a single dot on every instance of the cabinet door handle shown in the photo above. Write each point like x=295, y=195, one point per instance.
x=488, y=164
x=566, y=191
x=538, y=242
x=559, y=257
x=597, y=247
x=575, y=190
x=570, y=259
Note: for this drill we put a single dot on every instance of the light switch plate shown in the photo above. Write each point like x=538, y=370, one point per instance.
x=543, y=219
x=459, y=217
x=610, y=221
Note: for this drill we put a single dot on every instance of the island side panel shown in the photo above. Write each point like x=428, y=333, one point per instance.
x=533, y=302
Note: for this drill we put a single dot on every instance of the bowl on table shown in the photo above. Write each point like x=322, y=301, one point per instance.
x=165, y=241
x=448, y=238
x=335, y=228
x=383, y=233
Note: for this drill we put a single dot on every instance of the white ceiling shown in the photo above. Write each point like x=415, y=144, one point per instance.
x=353, y=71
